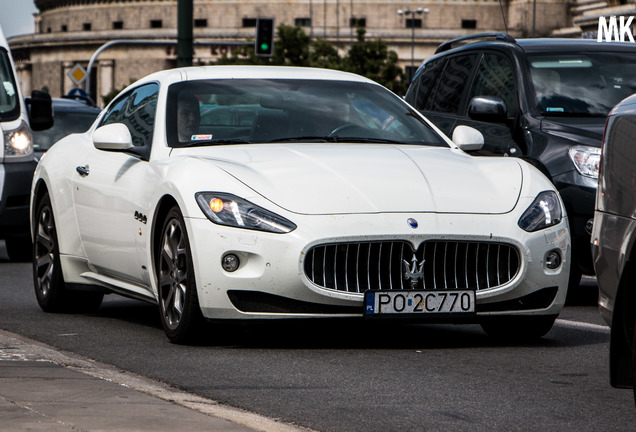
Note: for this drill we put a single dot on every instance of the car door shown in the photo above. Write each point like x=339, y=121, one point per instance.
x=112, y=190
x=495, y=76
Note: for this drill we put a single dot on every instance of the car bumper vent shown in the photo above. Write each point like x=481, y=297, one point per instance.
x=394, y=265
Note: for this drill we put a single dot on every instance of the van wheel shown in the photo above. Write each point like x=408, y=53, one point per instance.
x=19, y=249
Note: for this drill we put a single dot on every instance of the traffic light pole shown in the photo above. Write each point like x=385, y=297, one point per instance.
x=184, y=33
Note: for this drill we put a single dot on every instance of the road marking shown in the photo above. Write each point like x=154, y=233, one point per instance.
x=578, y=325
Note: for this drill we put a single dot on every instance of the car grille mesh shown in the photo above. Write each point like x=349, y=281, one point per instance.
x=357, y=267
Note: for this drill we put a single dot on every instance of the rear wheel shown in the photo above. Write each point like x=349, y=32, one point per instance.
x=520, y=328
x=50, y=289
x=181, y=315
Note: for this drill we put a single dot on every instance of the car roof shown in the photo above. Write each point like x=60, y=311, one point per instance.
x=64, y=104
x=251, y=72
x=565, y=45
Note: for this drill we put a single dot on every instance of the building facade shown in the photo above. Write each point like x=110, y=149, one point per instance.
x=70, y=32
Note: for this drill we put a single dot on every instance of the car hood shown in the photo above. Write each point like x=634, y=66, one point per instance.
x=341, y=178
x=581, y=130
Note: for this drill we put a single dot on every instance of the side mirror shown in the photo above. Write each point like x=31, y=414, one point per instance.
x=468, y=138
x=489, y=109
x=114, y=136
x=40, y=110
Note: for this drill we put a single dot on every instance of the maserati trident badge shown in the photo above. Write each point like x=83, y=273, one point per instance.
x=414, y=272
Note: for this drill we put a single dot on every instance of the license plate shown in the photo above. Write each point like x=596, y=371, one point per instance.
x=420, y=302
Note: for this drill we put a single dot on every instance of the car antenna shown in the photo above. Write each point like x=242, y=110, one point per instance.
x=503, y=15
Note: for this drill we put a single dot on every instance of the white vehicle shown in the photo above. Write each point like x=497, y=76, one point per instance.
x=271, y=192
x=16, y=154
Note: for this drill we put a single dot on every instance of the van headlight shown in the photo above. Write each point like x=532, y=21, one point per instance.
x=18, y=142
x=586, y=160
x=230, y=210
x=545, y=211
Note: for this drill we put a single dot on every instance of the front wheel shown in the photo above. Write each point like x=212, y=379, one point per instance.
x=181, y=315
x=50, y=289
x=518, y=328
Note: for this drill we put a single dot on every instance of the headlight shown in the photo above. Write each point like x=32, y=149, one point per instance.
x=229, y=210
x=545, y=211
x=18, y=142
x=586, y=160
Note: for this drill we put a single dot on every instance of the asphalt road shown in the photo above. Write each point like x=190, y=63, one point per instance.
x=351, y=376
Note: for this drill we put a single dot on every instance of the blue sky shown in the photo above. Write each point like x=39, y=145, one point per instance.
x=16, y=17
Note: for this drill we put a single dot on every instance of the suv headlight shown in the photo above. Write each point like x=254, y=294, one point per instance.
x=586, y=160
x=545, y=211
x=230, y=210
x=18, y=142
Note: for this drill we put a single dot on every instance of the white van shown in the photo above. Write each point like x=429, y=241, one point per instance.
x=17, y=118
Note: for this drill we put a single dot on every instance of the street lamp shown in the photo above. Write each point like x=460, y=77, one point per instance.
x=418, y=11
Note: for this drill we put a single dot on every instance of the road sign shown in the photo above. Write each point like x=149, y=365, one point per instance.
x=77, y=74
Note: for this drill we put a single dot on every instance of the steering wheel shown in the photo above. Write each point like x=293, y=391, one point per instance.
x=343, y=127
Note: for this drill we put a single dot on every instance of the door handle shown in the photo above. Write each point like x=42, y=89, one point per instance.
x=83, y=170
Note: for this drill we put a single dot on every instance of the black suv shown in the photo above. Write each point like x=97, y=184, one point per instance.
x=544, y=100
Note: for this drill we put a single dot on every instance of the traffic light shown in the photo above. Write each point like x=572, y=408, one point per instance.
x=264, y=45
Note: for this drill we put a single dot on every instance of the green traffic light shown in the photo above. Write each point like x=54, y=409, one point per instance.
x=264, y=47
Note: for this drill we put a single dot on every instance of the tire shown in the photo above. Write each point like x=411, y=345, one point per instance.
x=50, y=289
x=19, y=249
x=518, y=329
x=181, y=316
x=574, y=285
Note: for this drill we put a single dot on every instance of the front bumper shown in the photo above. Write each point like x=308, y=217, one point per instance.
x=15, y=187
x=272, y=265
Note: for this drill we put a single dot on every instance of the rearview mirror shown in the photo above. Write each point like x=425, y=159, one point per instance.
x=114, y=136
x=489, y=109
x=40, y=110
x=468, y=138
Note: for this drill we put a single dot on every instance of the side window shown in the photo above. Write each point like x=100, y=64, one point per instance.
x=496, y=77
x=137, y=111
x=427, y=79
x=447, y=92
x=115, y=113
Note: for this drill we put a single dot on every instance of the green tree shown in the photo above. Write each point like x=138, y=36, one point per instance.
x=292, y=47
x=374, y=60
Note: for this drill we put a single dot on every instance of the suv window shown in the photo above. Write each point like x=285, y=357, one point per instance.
x=427, y=79
x=496, y=77
x=447, y=94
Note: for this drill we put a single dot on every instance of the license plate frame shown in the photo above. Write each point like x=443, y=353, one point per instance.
x=413, y=303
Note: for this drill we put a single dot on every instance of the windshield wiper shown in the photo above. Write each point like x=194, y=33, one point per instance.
x=366, y=140
x=309, y=138
x=213, y=142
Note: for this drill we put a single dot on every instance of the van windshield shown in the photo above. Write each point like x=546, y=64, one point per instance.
x=9, y=104
x=589, y=84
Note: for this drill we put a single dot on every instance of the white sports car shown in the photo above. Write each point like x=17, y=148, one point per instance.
x=271, y=192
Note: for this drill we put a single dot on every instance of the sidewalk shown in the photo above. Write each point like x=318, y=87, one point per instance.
x=42, y=389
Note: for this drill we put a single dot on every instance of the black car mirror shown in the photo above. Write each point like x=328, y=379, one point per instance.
x=40, y=109
x=489, y=109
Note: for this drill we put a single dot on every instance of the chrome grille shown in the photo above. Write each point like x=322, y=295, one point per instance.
x=357, y=267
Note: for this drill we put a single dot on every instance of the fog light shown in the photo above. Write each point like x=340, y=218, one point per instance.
x=230, y=262
x=553, y=260
x=589, y=225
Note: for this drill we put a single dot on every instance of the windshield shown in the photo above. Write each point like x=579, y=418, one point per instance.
x=238, y=111
x=9, y=105
x=589, y=84
x=65, y=123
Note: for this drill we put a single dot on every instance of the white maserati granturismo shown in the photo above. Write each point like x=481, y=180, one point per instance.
x=271, y=192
